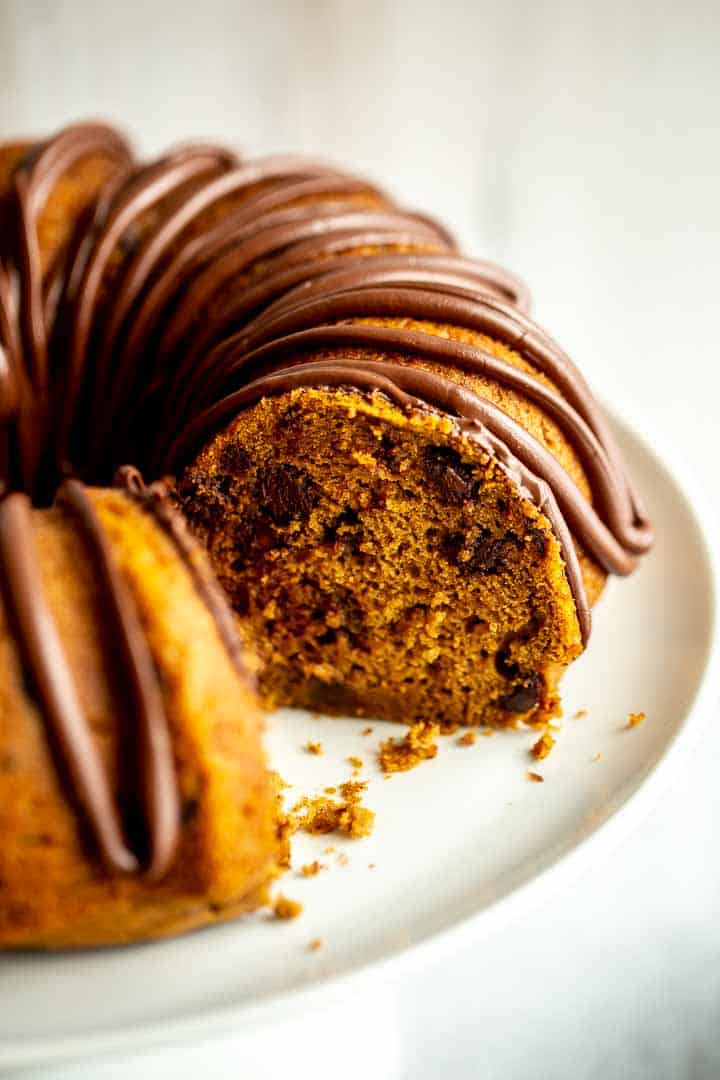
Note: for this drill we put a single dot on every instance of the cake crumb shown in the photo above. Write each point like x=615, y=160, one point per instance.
x=315, y=944
x=536, y=778
x=543, y=746
x=356, y=762
x=285, y=908
x=598, y=757
x=328, y=850
x=315, y=748
x=635, y=719
x=343, y=859
x=330, y=790
x=579, y=714
x=348, y=816
x=418, y=745
x=468, y=739
x=312, y=869
x=488, y=731
x=368, y=731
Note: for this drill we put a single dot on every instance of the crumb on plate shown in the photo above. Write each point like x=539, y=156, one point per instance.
x=418, y=745
x=325, y=815
x=312, y=869
x=543, y=746
x=285, y=908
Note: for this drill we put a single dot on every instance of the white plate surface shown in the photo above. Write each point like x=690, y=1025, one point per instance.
x=461, y=842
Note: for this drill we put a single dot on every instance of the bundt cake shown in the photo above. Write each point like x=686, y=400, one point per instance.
x=403, y=483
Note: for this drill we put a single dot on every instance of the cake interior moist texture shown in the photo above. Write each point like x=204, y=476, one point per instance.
x=382, y=565
x=408, y=493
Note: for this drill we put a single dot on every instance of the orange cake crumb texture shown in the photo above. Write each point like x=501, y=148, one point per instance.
x=543, y=746
x=635, y=719
x=312, y=869
x=346, y=815
x=285, y=908
x=418, y=745
x=536, y=778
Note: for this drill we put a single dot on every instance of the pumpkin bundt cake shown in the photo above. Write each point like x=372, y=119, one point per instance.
x=403, y=483
x=134, y=797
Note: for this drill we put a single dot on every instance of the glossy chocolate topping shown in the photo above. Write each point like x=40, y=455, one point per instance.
x=52, y=681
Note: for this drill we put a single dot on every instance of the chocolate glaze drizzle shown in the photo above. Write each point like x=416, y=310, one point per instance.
x=193, y=286
x=50, y=675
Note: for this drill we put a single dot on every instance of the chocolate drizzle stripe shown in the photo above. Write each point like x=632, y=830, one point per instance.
x=155, y=500
x=19, y=439
x=43, y=654
x=142, y=192
x=414, y=389
x=434, y=270
x=160, y=792
x=34, y=178
x=9, y=369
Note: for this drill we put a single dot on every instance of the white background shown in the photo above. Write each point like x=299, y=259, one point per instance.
x=579, y=143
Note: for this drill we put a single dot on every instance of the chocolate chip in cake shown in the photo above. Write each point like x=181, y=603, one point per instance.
x=285, y=492
x=252, y=538
x=452, y=477
x=538, y=539
x=235, y=459
x=504, y=666
x=387, y=448
x=524, y=696
x=345, y=533
x=484, y=554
